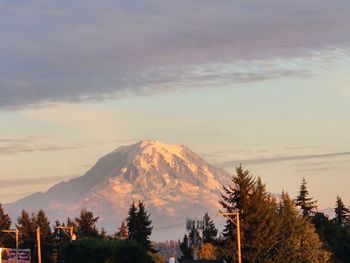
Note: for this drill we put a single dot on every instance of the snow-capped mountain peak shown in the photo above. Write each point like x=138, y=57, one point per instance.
x=172, y=180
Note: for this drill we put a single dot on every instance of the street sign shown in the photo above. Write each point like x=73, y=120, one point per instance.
x=9, y=255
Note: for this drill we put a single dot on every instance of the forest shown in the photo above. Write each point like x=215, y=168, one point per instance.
x=273, y=228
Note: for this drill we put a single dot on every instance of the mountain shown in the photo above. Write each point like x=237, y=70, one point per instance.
x=174, y=182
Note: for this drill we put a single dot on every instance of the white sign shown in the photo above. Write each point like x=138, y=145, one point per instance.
x=9, y=255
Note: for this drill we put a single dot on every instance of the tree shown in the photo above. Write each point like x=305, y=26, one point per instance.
x=41, y=220
x=269, y=232
x=207, y=252
x=298, y=240
x=210, y=232
x=5, y=223
x=304, y=201
x=185, y=249
x=86, y=224
x=258, y=218
x=144, y=228
x=139, y=225
x=103, y=233
x=122, y=231
x=131, y=221
x=157, y=258
x=104, y=251
x=335, y=237
x=27, y=228
x=341, y=213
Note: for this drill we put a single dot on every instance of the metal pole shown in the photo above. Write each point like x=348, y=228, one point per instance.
x=17, y=234
x=194, y=243
x=39, y=244
x=238, y=229
x=238, y=238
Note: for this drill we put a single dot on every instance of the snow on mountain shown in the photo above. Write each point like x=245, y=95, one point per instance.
x=173, y=181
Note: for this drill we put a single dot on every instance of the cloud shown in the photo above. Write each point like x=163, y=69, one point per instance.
x=33, y=144
x=17, y=182
x=257, y=161
x=80, y=50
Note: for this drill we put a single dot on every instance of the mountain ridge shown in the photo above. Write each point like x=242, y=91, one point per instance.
x=173, y=181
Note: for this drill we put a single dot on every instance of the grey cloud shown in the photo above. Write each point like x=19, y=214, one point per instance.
x=5, y=196
x=319, y=169
x=16, y=182
x=32, y=144
x=80, y=50
x=258, y=161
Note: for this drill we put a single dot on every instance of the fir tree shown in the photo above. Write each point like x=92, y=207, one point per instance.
x=86, y=224
x=58, y=235
x=298, y=240
x=131, y=221
x=122, y=231
x=139, y=225
x=342, y=213
x=260, y=224
x=185, y=249
x=304, y=201
x=210, y=232
x=41, y=220
x=5, y=223
x=27, y=227
x=103, y=234
x=336, y=237
x=144, y=228
x=258, y=219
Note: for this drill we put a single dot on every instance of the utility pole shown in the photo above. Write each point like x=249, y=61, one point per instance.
x=68, y=230
x=234, y=218
x=39, y=243
x=17, y=235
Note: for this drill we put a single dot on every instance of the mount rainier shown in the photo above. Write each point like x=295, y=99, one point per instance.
x=174, y=182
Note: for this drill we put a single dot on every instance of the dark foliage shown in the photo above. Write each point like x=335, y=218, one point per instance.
x=305, y=201
x=103, y=251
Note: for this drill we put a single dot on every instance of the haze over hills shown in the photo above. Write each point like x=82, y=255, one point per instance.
x=174, y=182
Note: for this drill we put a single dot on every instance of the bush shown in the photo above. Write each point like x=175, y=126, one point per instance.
x=104, y=251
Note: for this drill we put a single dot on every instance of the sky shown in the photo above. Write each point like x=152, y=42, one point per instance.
x=262, y=83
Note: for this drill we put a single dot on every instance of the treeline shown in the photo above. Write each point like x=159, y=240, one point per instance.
x=130, y=243
x=273, y=228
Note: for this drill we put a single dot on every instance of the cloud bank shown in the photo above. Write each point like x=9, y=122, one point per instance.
x=81, y=50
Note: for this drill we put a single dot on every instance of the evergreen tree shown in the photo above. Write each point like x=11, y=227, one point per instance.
x=258, y=218
x=342, y=213
x=86, y=224
x=58, y=235
x=185, y=249
x=298, y=241
x=304, y=201
x=139, y=226
x=210, y=232
x=336, y=237
x=122, y=231
x=103, y=233
x=131, y=221
x=27, y=229
x=144, y=228
x=5, y=223
x=46, y=238
x=260, y=224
